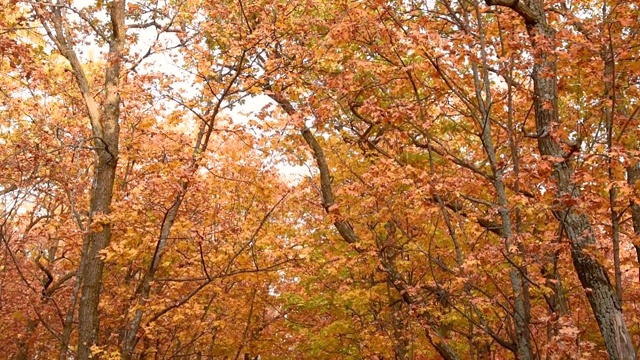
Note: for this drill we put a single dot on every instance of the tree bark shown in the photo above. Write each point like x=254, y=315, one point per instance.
x=593, y=276
x=106, y=137
x=105, y=129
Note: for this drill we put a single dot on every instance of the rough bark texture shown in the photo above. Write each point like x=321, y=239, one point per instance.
x=106, y=132
x=593, y=276
x=106, y=136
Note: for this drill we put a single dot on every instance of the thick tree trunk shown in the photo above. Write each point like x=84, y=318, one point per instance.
x=101, y=195
x=593, y=276
x=106, y=131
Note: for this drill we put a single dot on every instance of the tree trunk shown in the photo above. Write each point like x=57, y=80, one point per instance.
x=593, y=276
x=633, y=175
x=106, y=132
x=105, y=129
x=101, y=194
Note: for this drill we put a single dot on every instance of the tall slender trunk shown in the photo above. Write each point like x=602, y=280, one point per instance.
x=519, y=286
x=608, y=57
x=67, y=327
x=144, y=289
x=633, y=175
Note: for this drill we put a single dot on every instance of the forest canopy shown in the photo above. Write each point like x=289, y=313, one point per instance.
x=313, y=179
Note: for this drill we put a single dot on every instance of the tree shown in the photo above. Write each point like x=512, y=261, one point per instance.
x=399, y=63
x=451, y=161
